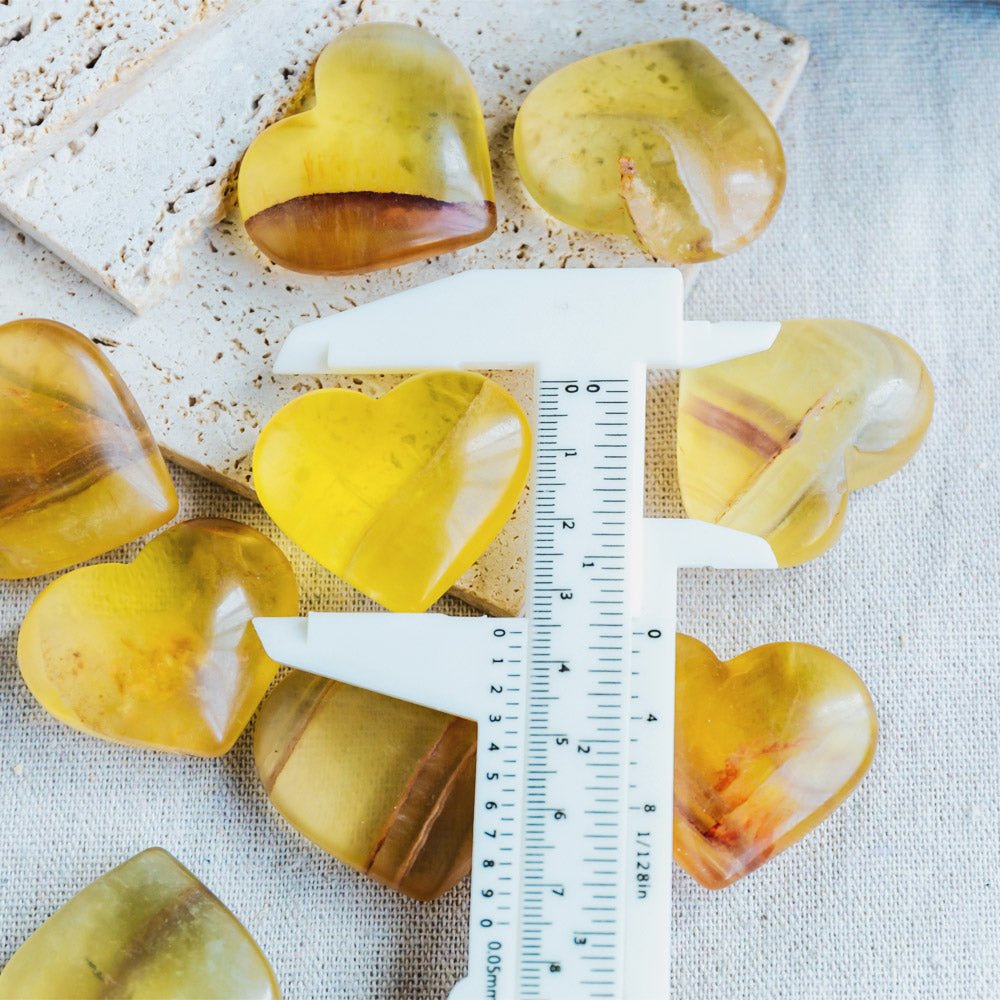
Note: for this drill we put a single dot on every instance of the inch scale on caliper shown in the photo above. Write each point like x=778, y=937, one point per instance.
x=571, y=864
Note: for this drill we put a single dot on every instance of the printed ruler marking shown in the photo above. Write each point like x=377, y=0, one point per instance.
x=574, y=822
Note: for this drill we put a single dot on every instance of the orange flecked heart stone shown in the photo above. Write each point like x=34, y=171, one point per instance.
x=766, y=746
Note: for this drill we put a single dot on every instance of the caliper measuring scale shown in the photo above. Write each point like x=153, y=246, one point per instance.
x=571, y=867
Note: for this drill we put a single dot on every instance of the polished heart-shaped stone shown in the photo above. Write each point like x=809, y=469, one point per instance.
x=657, y=141
x=146, y=929
x=161, y=653
x=80, y=473
x=766, y=746
x=772, y=443
x=383, y=785
x=390, y=166
x=400, y=495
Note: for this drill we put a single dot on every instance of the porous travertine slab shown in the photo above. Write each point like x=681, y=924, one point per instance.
x=122, y=200
x=61, y=59
x=199, y=361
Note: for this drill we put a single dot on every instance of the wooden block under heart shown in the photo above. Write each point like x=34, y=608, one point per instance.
x=199, y=360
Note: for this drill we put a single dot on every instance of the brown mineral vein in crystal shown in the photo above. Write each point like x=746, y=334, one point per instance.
x=149, y=940
x=352, y=232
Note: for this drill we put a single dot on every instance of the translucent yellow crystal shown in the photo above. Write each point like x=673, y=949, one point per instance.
x=657, y=141
x=80, y=473
x=148, y=929
x=766, y=746
x=400, y=495
x=390, y=166
x=384, y=785
x=772, y=443
x=161, y=653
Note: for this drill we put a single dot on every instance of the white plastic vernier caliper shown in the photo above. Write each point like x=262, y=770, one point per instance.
x=571, y=866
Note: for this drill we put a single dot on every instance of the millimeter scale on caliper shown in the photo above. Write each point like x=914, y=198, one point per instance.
x=570, y=894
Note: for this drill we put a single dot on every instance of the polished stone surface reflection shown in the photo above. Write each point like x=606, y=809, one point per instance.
x=148, y=929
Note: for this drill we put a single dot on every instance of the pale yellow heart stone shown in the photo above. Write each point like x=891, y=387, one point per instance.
x=772, y=443
x=161, y=653
x=657, y=141
x=148, y=930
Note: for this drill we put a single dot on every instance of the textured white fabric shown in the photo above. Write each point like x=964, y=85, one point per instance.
x=891, y=218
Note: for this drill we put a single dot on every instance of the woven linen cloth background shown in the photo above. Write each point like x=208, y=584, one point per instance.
x=890, y=217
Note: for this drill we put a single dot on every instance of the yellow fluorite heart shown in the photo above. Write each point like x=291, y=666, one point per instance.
x=773, y=443
x=80, y=473
x=390, y=166
x=657, y=141
x=766, y=746
x=385, y=786
x=400, y=495
x=161, y=653
x=148, y=928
